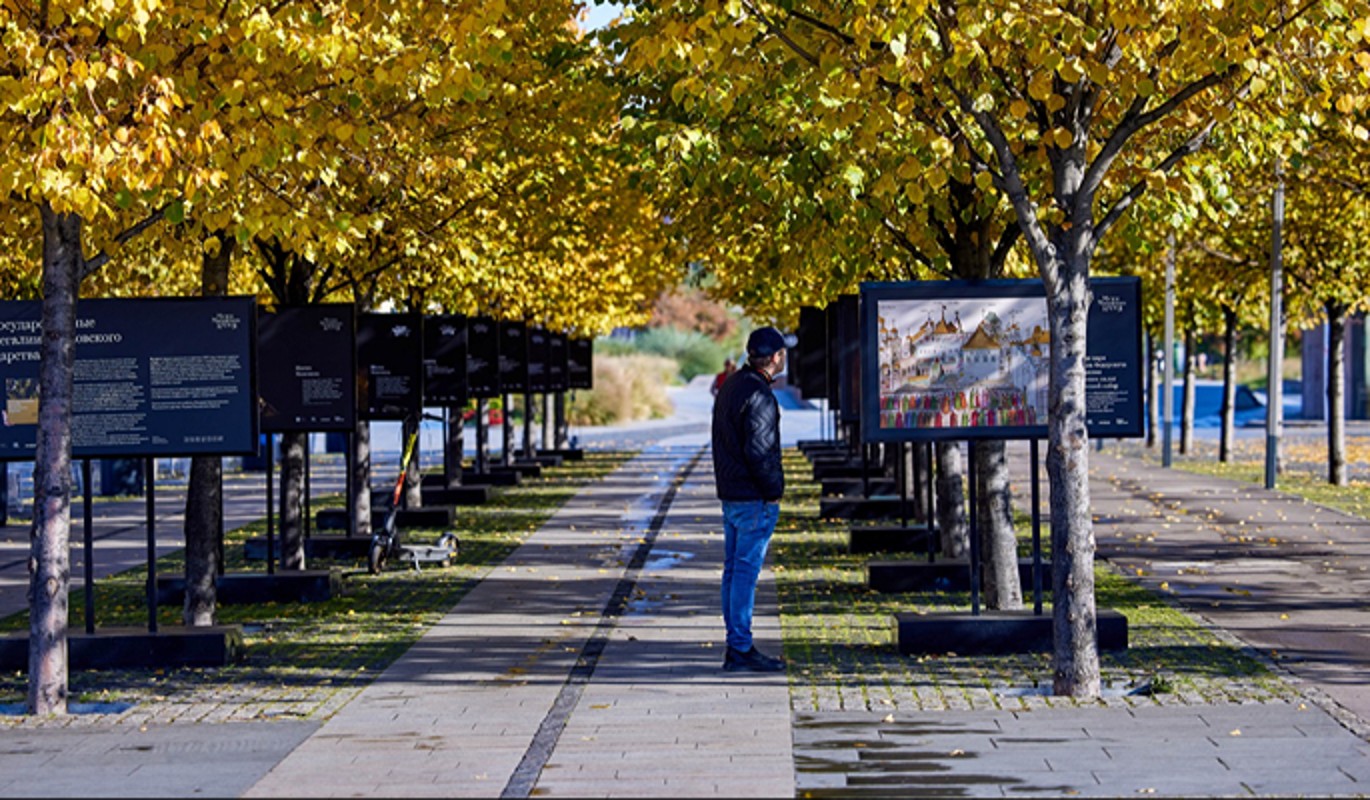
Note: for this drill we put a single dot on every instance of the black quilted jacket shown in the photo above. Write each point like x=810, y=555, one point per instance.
x=746, y=439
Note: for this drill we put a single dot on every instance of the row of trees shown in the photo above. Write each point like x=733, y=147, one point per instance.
x=803, y=146
x=451, y=156
x=484, y=156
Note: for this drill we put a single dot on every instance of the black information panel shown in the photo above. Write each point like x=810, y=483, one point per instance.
x=830, y=318
x=513, y=357
x=958, y=360
x=163, y=377
x=847, y=343
x=556, y=362
x=1114, y=388
x=444, y=360
x=580, y=364
x=810, y=360
x=482, y=357
x=307, y=368
x=537, y=360
x=390, y=364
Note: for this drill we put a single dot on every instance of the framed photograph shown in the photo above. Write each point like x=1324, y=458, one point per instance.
x=945, y=360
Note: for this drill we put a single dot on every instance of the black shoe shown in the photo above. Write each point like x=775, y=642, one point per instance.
x=752, y=660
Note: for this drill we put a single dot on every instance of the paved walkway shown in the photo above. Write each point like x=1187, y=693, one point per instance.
x=588, y=665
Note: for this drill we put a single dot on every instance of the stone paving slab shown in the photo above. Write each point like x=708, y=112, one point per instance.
x=1273, y=749
x=147, y=761
x=657, y=717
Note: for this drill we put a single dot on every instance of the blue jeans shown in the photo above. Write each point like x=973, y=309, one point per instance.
x=747, y=529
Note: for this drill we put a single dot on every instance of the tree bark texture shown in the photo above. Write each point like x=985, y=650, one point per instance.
x=1336, y=393
x=361, y=478
x=1074, y=618
x=563, y=429
x=49, y=558
x=413, y=489
x=1191, y=362
x=454, y=449
x=292, y=500
x=920, y=480
x=204, y=524
x=1229, y=407
x=507, y=428
x=952, y=523
x=998, y=541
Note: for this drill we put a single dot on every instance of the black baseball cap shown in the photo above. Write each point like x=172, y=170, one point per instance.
x=767, y=341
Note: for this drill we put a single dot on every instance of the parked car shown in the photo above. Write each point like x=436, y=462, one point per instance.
x=1208, y=403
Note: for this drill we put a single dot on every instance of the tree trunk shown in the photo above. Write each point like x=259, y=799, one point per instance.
x=482, y=457
x=998, y=542
x=292, y=500
x=204, y=524
x=1074, y=619
x=1336, y=393
x=528, y=419
x=952, y=525
x=1187, y=415
x=563, y=430
x=1153, y=392
x=920, y=476
x=507, y=428
x=1229, y=409
x=454, y=449
x=361, y=478
x=49, y=559
x=413, y=488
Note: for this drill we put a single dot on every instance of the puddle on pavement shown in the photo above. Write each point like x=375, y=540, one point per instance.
x=665, y=559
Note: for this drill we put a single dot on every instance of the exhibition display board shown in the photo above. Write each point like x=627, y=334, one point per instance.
x=151, y=377
x=537, y=360
x=390, y=365
x=482, y=357
x=580, y=364
x=846, y=345
x=445, y=360
x=809, y=362
x=513, y=357
x=307, y=368
x=556, y=362
x=946, y=360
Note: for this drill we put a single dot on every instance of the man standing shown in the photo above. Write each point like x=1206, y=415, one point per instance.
x=749, y=481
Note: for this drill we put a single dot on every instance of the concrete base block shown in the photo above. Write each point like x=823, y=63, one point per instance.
x=565, y=453
x=994, y=633
x=945, y=575
x=855, y=487
x=243, y=588
x=458, y=496
x=884, y=506
x=135, y=648
x=890, y=539
x=846, y=469
x=426, y=517
x=337, y=548
x=543, y=458
x=469, y=478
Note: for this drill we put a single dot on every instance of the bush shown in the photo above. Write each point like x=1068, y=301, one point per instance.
x=695, y=353
x=627, y=388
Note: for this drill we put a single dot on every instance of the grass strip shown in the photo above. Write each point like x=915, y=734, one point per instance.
x=840, y=636
x=299, y=655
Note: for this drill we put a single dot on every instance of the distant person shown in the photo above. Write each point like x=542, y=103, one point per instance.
x=749, y=481
x=728, y=369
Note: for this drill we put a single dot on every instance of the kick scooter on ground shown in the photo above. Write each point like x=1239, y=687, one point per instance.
x=385, y=542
